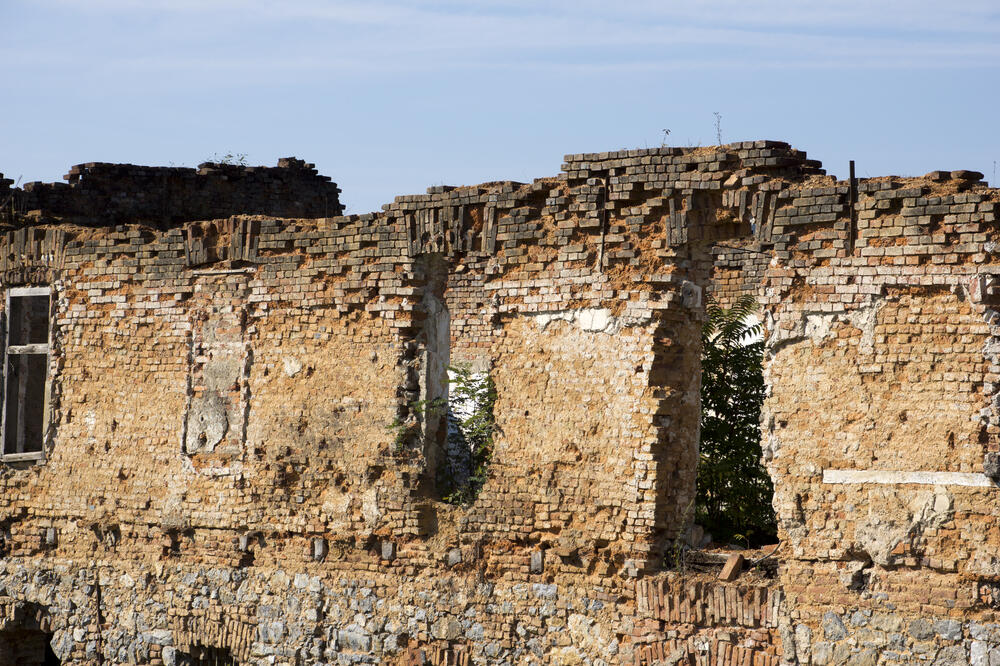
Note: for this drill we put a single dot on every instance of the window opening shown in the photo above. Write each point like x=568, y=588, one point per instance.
x=26, y=372
x=201, y=655
x=471, y=427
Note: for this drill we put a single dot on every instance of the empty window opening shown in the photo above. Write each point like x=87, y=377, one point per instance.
x=471, y=427
x=49, y=657
x=26, y=372
x=201, y=655
x=734, y=497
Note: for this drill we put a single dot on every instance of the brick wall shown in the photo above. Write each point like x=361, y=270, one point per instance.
x=881, y=416
x=99, y=194
x=240, y=453
x=738, y=269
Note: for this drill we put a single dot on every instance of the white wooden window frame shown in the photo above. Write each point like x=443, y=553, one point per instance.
x=22, y=456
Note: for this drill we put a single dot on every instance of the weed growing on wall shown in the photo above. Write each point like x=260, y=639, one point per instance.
x=734, y=490
x=403, y=432
x=237, y=159
x=674, y=556
x=472, y=426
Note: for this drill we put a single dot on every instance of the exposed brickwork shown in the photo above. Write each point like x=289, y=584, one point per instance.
x=882, y=360
x=677, y=616
x=98, y=193
x=238, y=458
x=738, y=267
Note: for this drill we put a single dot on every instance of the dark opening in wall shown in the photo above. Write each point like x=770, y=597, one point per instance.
x=49, y=658
x=25, y=372
x=201, y=655
x=734, y=496
x=449, y=407
x=27, y=647
x=421, y=419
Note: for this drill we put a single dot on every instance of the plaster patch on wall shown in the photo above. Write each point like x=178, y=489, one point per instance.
x=817, y=327
x=293, y=366
x=901, y=516
x=219, y=361
x=864, y=319
x=369, y=507
x=595, y=320
x=890, y=477
x=207, y=423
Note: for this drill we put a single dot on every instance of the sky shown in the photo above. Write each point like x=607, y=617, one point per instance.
x=389, y=98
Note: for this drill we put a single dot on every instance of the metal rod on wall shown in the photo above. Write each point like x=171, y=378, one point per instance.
x=852, y=202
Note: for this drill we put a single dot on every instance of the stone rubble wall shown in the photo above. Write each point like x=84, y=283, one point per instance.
x=358, y=609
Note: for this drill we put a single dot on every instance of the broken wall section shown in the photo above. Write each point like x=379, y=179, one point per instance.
x=622, y=233
x=623, y=238
x=880, y=417
x=98, y=193
x=318, y=349
x=738, y=269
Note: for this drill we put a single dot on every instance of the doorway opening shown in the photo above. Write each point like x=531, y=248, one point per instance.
x=734, y=493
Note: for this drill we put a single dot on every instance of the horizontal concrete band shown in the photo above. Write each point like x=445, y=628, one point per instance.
x=897, y=477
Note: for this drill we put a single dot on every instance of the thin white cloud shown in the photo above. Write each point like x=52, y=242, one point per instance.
x=296, y=36
x=895, y=15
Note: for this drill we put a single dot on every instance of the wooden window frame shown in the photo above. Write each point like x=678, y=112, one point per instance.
x=38, y=348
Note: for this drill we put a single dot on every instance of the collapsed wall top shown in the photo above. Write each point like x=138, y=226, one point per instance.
x=98, y=193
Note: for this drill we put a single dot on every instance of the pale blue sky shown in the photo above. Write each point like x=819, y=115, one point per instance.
x=390, y=97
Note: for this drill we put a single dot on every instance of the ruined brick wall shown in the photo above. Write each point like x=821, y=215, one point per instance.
x=738, y=270
x=100, y=194
x=5, y=190
x=881, y=416
x=236, y=458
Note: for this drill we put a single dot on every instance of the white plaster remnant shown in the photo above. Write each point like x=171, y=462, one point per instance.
x=865, y=319
x=595, y=320
x=207, y=423
x=690, y=295
x=369, y=507
x=891, y=477
x=900, y=516
x=293, y=366
x=817, y=327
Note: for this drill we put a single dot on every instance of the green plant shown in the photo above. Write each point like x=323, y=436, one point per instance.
x=472, y=426
x=674, y=556
x=404, y=430
x=734, y=490
x=239, y=159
